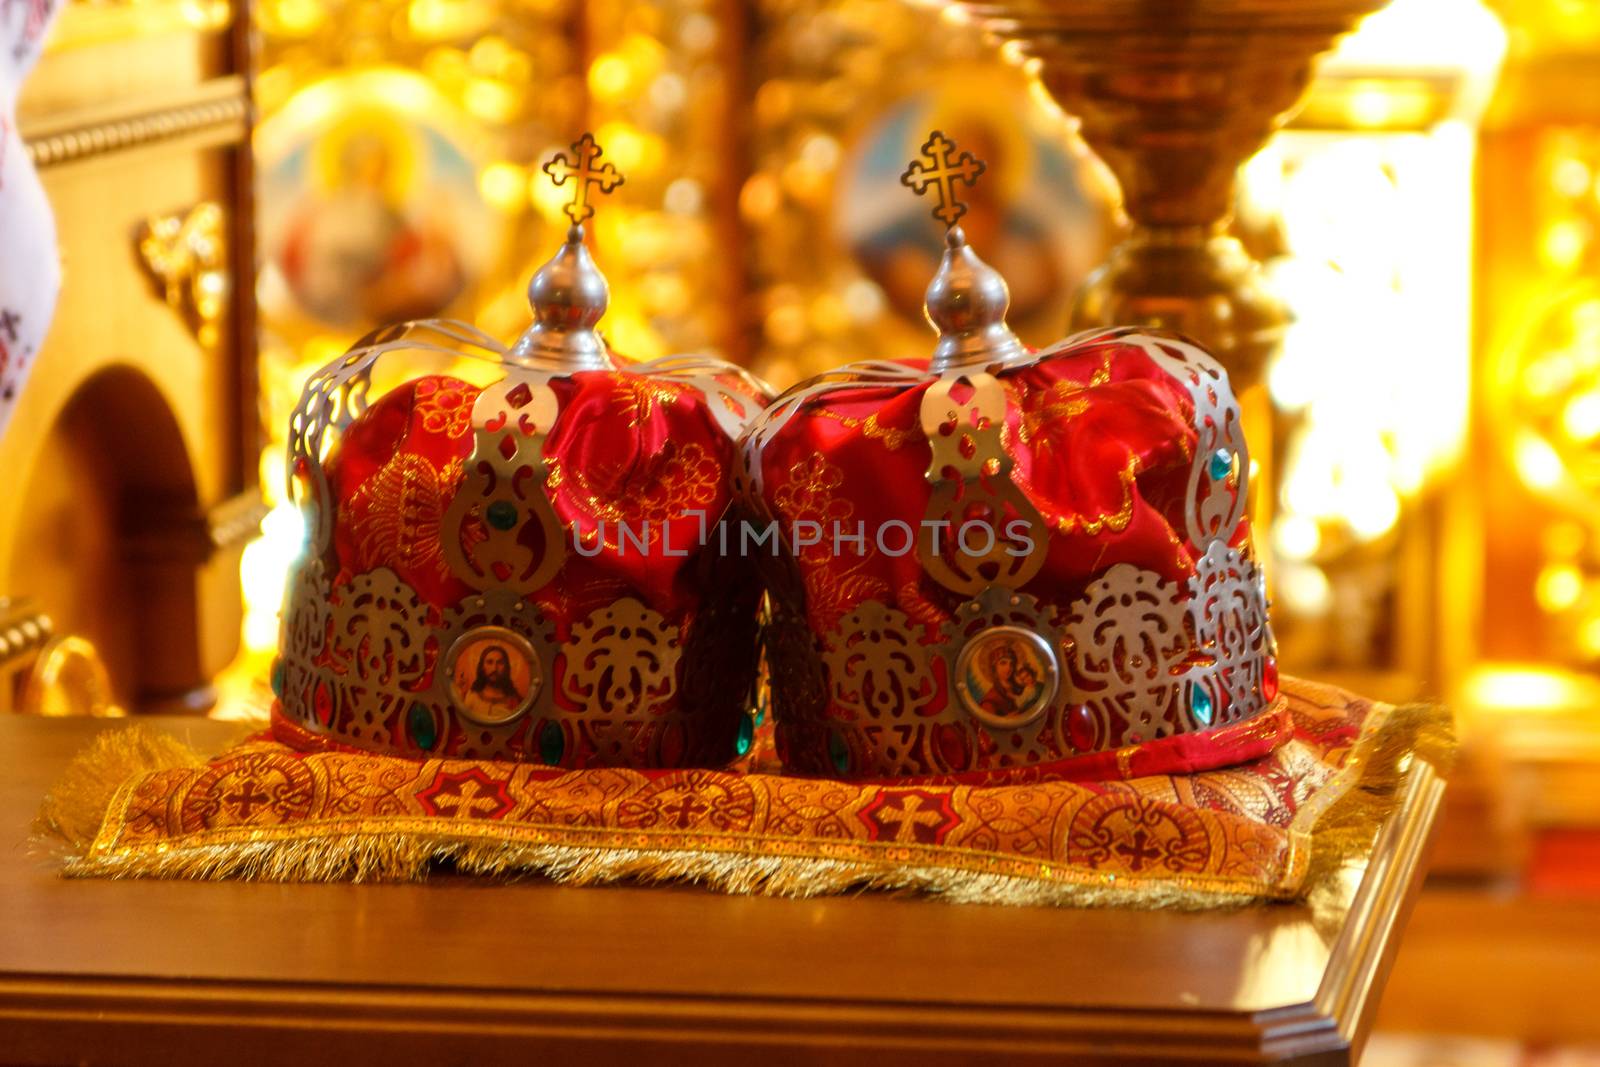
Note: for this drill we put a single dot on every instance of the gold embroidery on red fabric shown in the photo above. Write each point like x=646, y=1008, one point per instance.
x=445, y=405
x=894, y=438
x=1102, y=373
x=690, y=480
x=636, y=396
x=808, y=495
x=1067, y=523
x=396, y=515
x=1062, y=401
x=832, y=587
x=683, y=478
x=1126, y=832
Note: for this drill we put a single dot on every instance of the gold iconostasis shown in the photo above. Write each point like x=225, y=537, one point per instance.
x=1431, y=218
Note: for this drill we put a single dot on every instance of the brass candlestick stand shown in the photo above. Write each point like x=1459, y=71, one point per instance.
x=1174, y=95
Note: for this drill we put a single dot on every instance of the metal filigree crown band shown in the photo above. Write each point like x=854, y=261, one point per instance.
x=369, y=664
x=1012, y=681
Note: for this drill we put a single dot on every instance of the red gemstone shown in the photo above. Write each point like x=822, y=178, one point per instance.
x=1080, y=728
x=951, y=742
x=1269, y=680
x=322, y=703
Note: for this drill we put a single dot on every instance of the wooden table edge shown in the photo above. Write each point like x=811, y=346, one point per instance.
x=47, y=1014
x=1361, y=958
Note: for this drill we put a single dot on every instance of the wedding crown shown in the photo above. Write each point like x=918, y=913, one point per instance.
x=1044, y=554
x=509, y=559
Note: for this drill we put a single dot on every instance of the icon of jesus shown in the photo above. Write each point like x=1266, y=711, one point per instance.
x=494, y=694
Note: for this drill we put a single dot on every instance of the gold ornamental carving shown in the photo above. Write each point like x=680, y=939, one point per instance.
x=222, y=111
x=187, y=255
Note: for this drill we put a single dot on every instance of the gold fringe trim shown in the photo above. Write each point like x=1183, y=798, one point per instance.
x=412, y=857
x=1346, y=830
x=74, y=812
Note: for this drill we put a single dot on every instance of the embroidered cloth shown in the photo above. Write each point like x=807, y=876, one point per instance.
x=263, y=809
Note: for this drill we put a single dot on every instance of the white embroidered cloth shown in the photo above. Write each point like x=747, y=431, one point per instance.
x=30, y=269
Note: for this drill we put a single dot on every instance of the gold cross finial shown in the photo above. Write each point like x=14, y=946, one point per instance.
x=585, y=173
x=943, y=172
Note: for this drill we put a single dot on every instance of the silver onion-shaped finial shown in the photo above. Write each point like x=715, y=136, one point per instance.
x=569, y=294
x=967, y=300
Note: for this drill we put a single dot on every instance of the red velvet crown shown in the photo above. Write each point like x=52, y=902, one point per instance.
x=517, y=559
x=1005, y=562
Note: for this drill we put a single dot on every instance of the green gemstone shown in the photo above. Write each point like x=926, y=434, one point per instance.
x=839, y=752
x=280, y=678
x=552, y=744
x=746, y=736
x=1221, y=464
x=1201, y=704
x=421, y=725
x=502, y=515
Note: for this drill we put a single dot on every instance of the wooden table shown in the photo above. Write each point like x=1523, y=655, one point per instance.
x=462, y=972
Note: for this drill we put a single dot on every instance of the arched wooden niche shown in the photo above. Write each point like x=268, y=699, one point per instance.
x=128, y=470
x=113, y=542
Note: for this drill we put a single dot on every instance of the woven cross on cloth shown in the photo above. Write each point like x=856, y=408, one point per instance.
x=267, y=811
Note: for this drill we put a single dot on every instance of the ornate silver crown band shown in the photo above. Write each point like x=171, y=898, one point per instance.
x=368, y=663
